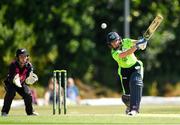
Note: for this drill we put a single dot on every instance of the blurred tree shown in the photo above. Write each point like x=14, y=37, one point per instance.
x=67, y=35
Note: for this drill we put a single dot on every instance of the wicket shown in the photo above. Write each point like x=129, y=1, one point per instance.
x=60, y=77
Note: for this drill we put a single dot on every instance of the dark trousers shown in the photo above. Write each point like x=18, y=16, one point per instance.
x=24, y=91
x=133, y=85
x=126, y=76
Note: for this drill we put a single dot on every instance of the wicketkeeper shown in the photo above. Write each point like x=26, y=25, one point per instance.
x=19, y=77
x=130, y=69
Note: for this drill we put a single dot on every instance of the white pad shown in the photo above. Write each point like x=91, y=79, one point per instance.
x=32, y=78
x=16, y=81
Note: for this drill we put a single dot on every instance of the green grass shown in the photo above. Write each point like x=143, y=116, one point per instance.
x=97, y=115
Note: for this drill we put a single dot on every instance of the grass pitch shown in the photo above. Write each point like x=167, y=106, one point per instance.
x=96, y=115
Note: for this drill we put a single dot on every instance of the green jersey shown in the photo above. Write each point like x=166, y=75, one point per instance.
x=127, y=61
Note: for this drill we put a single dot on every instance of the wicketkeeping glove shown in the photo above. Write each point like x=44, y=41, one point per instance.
x=141, y=44
x=16, y=81
x=31, y=79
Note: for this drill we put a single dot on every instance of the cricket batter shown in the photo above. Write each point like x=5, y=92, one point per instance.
x=130, y=69
x=19, y=77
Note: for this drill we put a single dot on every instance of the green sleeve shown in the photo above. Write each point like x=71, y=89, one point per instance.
x=127, y=61
x=115, y=54
x=127, y=43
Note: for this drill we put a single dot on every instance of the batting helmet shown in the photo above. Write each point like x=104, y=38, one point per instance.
x=21, y=51
x=112, y=36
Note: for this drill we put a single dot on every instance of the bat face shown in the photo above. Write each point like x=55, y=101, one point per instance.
x=153, y=26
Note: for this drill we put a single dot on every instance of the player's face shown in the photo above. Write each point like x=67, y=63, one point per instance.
x=23, y=59
x=116, y=43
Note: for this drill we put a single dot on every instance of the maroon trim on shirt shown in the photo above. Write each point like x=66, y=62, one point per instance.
x=16, y=69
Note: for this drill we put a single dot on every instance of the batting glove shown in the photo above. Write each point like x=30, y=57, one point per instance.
x=141, y=44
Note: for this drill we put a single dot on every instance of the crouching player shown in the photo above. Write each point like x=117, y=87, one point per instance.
x=19, y=77
x=130, y=69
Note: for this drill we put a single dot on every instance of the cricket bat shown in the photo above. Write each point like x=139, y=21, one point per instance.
x=153, y=26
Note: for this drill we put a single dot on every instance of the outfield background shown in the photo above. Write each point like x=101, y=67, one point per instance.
x=166, y=114
x=146, y=100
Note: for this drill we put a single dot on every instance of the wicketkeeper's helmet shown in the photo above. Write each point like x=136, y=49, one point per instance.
x=111, y=37
x=21, y=51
